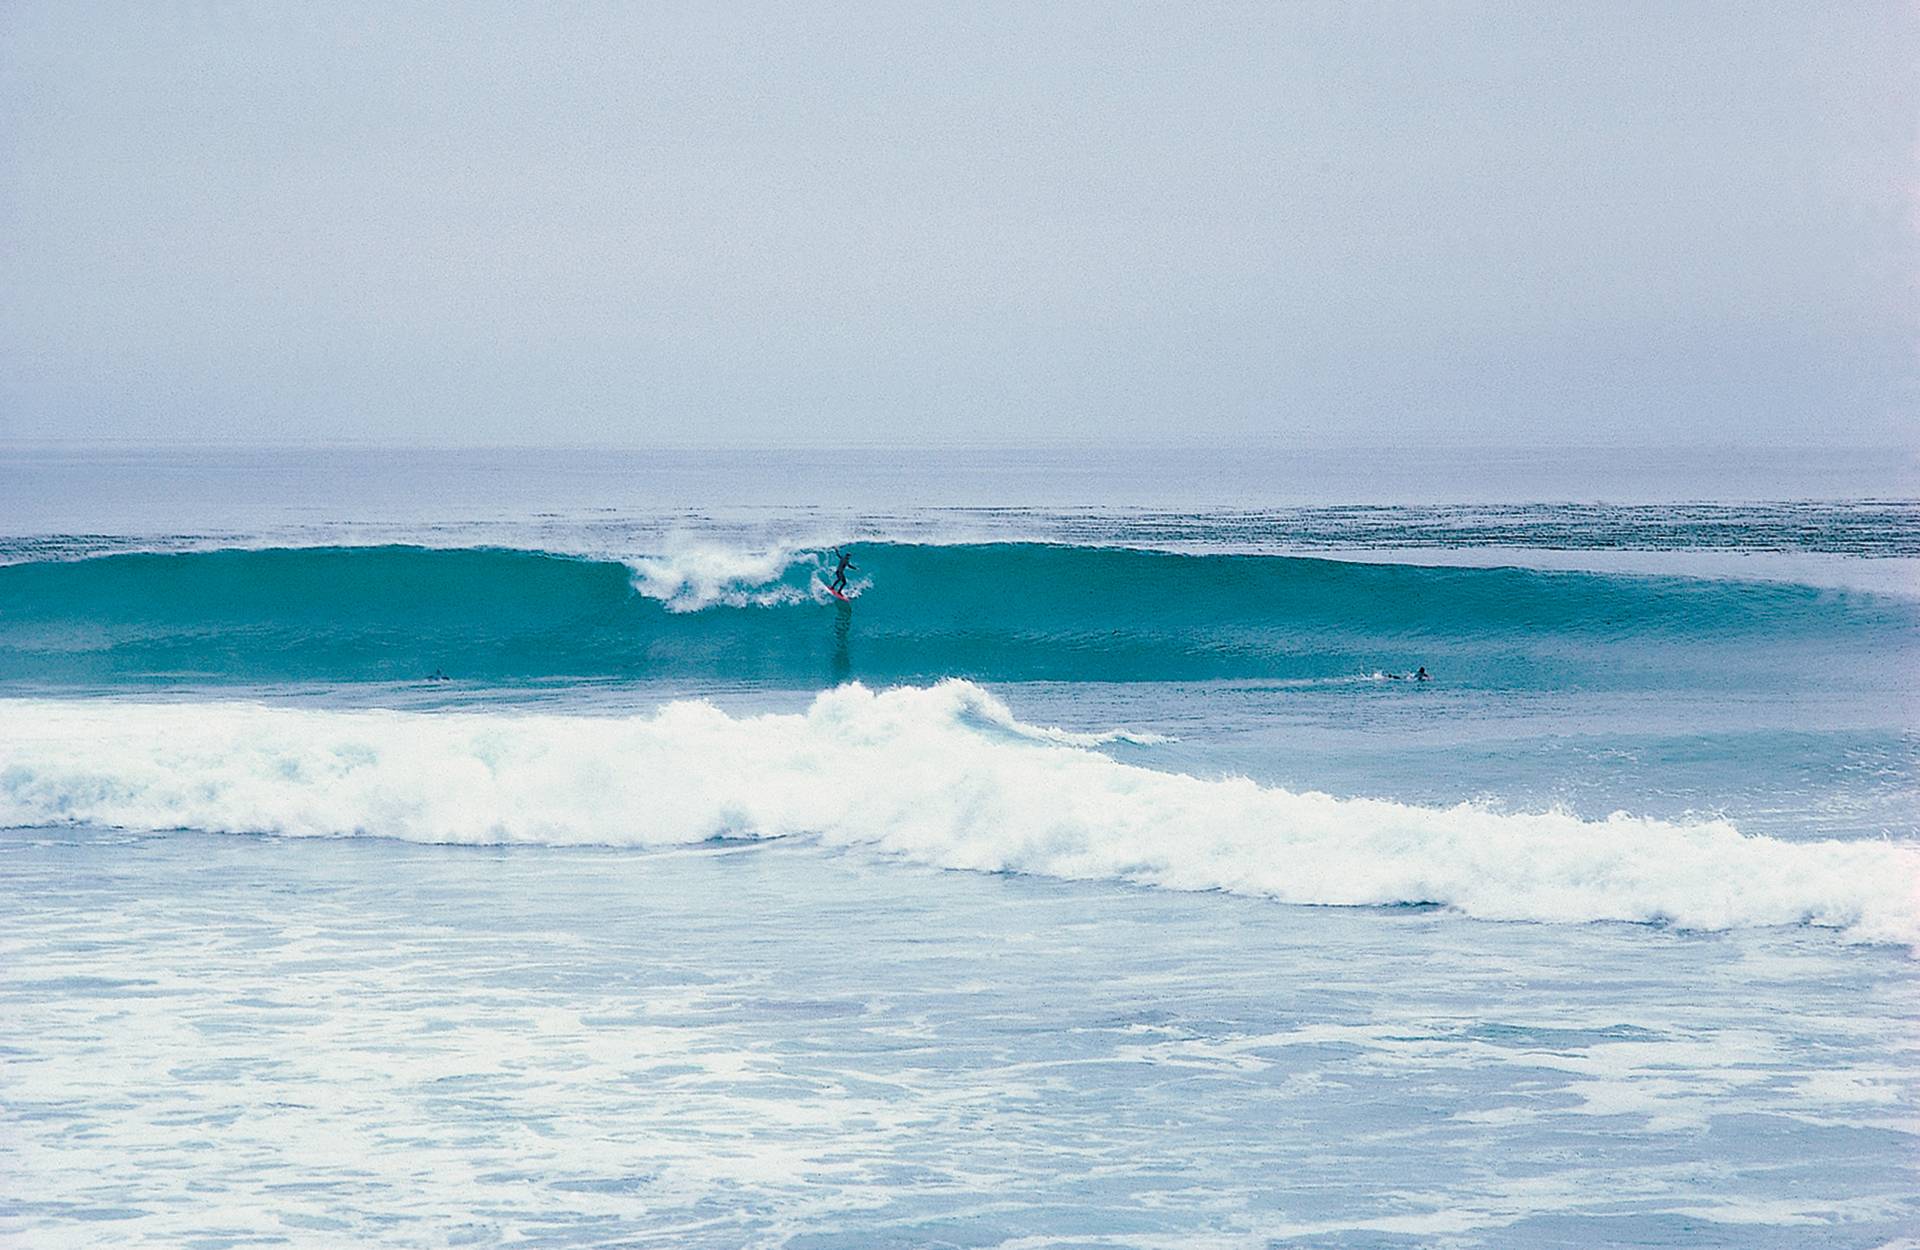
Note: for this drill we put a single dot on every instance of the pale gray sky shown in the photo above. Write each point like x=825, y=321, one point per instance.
x=1313, y=223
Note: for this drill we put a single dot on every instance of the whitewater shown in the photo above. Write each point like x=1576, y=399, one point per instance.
x=943, y=776
x=525, y=850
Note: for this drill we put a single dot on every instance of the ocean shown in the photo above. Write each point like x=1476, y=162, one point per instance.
x=507, y=847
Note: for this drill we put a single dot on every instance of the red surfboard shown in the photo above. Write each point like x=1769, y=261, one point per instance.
x=836, y=594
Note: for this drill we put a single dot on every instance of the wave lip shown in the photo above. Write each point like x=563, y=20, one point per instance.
x=1002, y=612
x=943, y=775
x=693, y=577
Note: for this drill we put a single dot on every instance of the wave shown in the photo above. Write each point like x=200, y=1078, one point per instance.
x=694, y=578
x=988, y=611
x=943, y=775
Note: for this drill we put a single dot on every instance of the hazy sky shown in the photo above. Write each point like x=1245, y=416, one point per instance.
x=1315, y=223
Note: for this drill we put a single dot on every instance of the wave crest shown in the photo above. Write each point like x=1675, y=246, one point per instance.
x=993, y=613
x=694, y=578
x=943, y=775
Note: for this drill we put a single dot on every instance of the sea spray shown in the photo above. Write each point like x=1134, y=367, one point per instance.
x=694, y=577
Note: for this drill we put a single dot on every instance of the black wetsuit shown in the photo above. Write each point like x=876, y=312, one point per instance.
x=840, y=573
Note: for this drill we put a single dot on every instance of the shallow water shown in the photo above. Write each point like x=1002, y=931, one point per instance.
x=226, y=1041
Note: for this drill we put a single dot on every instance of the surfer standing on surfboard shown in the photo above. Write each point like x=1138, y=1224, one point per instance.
x=839, y=583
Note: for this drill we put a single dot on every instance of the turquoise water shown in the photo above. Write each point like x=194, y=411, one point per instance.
x=482, y=854
x=987, y=612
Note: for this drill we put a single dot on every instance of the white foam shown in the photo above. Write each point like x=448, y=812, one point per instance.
x=978, y=707
x=690, y=577
x=944, y=775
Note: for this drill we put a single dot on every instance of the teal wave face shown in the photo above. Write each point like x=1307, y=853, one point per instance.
x=991, y=612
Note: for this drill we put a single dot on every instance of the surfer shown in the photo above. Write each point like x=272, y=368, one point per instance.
x=840, y=571
x=1422, y=674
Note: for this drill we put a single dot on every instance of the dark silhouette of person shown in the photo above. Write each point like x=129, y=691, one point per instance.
x=840, y=571
x=1422, y=674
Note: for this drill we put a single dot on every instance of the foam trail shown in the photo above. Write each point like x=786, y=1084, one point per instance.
x=692, y=578
x=695, y=578
x=909, y=772
x=976, y=707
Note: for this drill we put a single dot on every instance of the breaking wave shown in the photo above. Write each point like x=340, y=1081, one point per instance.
x=943, y=775
x=995, y=612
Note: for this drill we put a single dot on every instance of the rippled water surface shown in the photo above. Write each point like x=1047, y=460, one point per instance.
x=242, y=1041
x=482, y=848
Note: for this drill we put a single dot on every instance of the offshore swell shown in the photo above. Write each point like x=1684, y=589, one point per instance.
x=995, y=612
